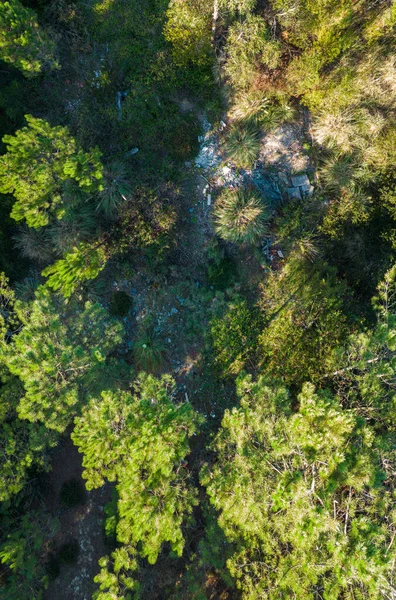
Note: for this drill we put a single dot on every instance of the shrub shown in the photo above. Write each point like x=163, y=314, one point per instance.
x=116, y=190
x=250, y=104
x=243, y=144
x=233, y=336
x=68, y=552
x=120, y=304
x=221, y=269
x=249, y=46
x=241, y=216
x=73, y=493
x=149, y=349
x=337, y=172
x=52, y=567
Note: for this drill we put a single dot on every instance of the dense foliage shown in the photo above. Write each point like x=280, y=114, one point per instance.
x=197, y=299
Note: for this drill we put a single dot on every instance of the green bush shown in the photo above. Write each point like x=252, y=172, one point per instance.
x=73, y=493
x=221, y=273
x=243, y=144
x=120, y=304
x=52, y=567
x=233, y=336
x=249, y=47
x=241, y=216
x=68, y=552
x=149, y=349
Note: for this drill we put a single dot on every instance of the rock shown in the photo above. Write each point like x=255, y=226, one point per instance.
x=299, y=180
x=226, y=170
x=294, y=193
x=186, y=106
x=266, y=185
x=307, y=189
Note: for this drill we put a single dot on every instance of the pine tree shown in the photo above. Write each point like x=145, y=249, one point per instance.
x=22, y=445
x=82, y=264
x=302, y=497
x=364, y=369
x=250, y=46
x=22, y=552
x=39, y=162
x=23, y=43
x=60, y=356
x=140, y=440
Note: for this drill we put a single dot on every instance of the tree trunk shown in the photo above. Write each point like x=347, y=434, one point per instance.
x=214, y=20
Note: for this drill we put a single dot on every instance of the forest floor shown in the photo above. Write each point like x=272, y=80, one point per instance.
x=178, y=300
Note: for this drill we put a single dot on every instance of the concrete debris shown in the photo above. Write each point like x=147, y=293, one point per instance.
x=132, y=152
x=307, y=189
x=209, y=156
x=300, y=180
x=294, y=193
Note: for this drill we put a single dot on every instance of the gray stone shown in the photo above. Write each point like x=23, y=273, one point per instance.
x=299, y=180
x=283, y=179
x=267, y=185
x=294, y=193
x=307, y=189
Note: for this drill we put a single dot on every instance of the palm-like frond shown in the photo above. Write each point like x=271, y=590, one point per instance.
x=241, y=216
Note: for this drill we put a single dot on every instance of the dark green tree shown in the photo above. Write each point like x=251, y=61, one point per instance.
x=23, y=43
x=23, y=552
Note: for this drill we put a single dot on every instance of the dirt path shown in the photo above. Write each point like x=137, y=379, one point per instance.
x=82, y=524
